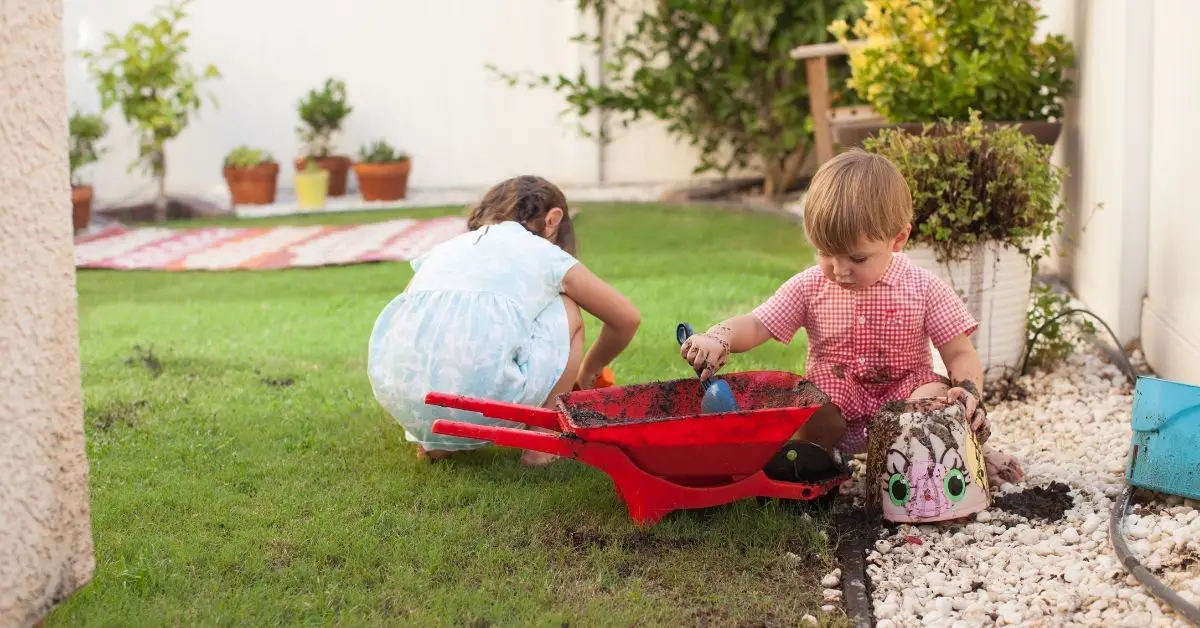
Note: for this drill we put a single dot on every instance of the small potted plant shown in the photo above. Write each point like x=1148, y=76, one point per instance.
x=86, y=131
x=322, y=112
x=985, y=203
x=382, y=172
x=251, y=174
x=312, y=186
x=923, y=62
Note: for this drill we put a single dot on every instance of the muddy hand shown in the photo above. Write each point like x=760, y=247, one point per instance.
x=981, y=426
x=964, y=397
x=1001, y=467
x=705, y=353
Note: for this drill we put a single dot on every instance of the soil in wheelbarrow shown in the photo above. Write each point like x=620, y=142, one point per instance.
x=673, y=399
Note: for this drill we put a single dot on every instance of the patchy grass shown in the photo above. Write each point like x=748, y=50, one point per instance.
x=242, y=473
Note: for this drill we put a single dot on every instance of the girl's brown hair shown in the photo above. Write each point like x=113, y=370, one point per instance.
x=526, y=199
x=856, y=195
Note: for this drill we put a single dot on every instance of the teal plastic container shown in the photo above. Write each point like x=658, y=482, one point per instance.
x=1165, y=453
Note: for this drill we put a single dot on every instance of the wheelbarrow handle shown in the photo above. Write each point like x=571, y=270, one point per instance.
x=506, y=437
x=541, y=417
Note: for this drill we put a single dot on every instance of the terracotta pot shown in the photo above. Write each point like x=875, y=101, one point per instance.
x=383, y=182
x=337, y=165
x=254, y=185
x=81, y=206
x=855, y=134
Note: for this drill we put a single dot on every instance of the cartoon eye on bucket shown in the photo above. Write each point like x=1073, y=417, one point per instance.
x=898, y=490
x=955, y=485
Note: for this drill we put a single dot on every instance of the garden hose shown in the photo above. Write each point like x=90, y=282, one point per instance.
x=1116, y=526
x=1116, y=530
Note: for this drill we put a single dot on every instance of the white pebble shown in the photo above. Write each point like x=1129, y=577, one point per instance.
x=810, y=620
x=1070, y=536
x=830, y=581
x=983, y=517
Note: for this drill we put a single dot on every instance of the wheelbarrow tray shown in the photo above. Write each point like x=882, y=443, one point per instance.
x=660, y=451
x=661, y=428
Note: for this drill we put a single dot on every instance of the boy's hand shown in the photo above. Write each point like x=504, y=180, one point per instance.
x=966, y=395
x=706, y=353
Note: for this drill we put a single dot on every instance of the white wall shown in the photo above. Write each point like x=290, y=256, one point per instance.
x=1171, y=318
x=1129, y=143
x=415, y=74
x=1104, y=146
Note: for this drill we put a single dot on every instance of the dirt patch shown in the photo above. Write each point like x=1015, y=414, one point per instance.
x=146, y=359
x=122, y=413
x=279, y=382
x=638, y=541
x=280, y=553
x=583, y=539
x=1047, y=503
x=647, y=543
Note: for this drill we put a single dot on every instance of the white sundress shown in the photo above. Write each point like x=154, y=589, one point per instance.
x=483, y=317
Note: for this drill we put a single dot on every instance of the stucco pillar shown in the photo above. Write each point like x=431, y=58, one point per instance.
x=45, y=529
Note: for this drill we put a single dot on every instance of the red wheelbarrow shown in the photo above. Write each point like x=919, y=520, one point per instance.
x=660, y=451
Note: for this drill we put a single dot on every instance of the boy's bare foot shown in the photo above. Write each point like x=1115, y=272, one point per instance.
x=1001, y=467
x=432, y=455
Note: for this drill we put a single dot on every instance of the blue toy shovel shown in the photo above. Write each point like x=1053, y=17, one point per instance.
x=718, y=398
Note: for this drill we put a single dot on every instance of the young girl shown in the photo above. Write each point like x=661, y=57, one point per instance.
x=495, y=313
x=869, y=312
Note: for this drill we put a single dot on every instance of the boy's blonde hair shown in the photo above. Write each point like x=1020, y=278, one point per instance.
x=853, y=196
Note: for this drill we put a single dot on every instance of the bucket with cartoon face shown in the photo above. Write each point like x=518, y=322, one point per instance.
x=926, y=463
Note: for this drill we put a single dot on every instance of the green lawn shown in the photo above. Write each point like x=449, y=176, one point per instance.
x=242, y=473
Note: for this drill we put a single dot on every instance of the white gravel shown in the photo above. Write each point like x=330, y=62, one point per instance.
x=1003, y=569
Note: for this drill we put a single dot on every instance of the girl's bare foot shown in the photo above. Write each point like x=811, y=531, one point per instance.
x=432, y=455
x=537, y=458
x=1001, y=467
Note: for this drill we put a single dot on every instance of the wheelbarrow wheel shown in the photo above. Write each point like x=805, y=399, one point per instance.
x=801, y=461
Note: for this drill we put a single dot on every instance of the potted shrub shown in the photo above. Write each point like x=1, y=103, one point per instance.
x=86, y=131
x=312, y=186
x=918, y=62
x=251, y=174
x=382, y=172
x=322, y=113
x=985, y=202
x=144, y=72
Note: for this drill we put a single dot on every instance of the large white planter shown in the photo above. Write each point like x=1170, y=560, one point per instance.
x=995, y=285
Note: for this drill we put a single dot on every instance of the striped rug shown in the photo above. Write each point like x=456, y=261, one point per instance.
x=261, y=248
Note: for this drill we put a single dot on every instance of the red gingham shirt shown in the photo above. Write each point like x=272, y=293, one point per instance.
x=868, y=347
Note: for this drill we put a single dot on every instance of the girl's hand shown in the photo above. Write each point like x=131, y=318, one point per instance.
x=586, y=381
x=707, y=353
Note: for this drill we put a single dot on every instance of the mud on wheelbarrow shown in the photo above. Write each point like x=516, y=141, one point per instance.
x=660, y=451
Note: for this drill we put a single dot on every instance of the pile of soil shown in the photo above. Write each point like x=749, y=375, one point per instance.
x=1047, y=503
